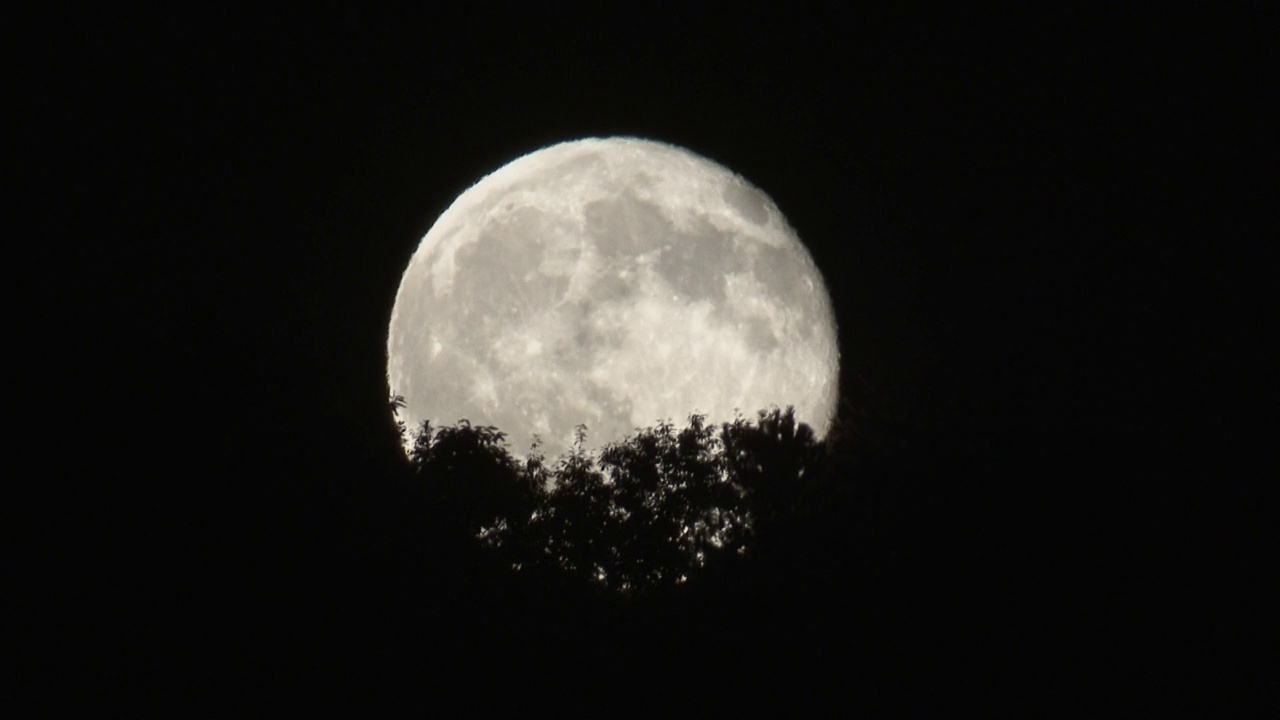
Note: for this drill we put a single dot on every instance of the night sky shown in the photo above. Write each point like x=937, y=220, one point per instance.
x=1045, y=238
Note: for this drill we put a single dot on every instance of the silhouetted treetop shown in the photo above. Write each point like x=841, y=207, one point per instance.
x=654, y=510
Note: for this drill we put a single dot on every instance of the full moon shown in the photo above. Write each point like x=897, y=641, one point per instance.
x=611, y=282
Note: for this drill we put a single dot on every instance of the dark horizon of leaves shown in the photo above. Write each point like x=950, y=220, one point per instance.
x=653, y=511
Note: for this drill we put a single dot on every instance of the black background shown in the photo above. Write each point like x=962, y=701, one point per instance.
x=1046, y=234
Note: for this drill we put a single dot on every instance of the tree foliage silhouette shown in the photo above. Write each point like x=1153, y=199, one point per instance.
x=655, y=510
x=473, y=478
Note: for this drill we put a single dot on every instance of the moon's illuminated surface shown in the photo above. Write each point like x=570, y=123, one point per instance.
x=613, y=282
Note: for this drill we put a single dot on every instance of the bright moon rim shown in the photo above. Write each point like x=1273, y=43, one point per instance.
x=614, y=283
